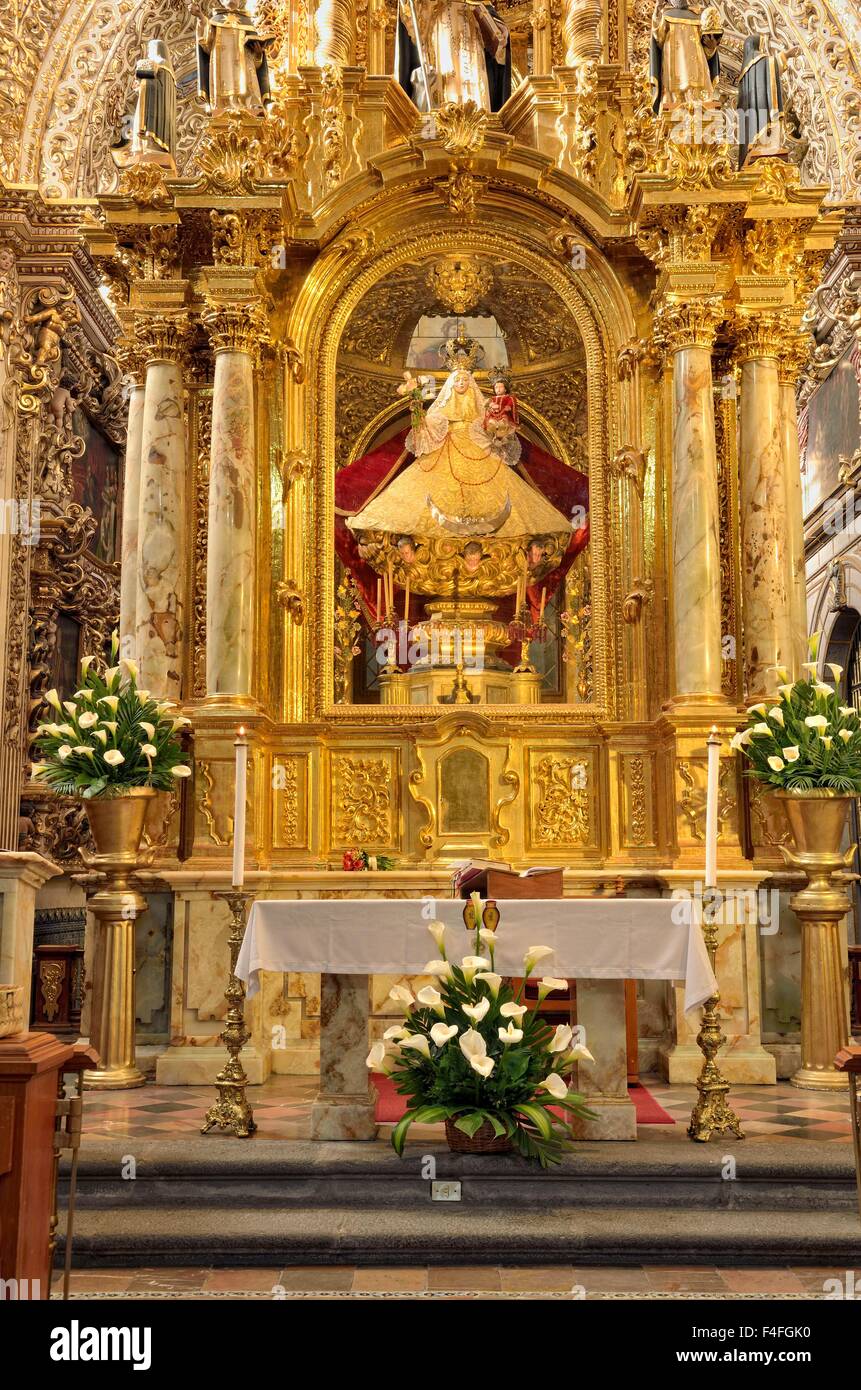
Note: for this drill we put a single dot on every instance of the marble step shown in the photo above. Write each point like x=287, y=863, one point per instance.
x=446, y=1234
x=233, y=1173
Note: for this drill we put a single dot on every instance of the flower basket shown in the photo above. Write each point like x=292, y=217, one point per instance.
x=484, y=1141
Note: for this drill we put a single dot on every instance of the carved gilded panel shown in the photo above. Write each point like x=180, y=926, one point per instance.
x=365, y=800
x=562, y=799
x=638, y=828
x=290, y=794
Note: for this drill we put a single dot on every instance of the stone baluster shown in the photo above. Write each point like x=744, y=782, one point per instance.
x=686, y=332
x=766, y=588
x=793, y=358
x=237, y=328
x=162, y=539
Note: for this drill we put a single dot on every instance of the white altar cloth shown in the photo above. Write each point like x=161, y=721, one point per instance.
x=592, y=938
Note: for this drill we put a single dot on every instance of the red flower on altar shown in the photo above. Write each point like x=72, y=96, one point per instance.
x=353, y=860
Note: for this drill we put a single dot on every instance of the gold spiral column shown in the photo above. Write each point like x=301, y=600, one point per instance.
x=336, y=33
x=768, y=637
x=581, y=29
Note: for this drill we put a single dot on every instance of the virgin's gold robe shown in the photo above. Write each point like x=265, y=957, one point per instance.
x=458, y=480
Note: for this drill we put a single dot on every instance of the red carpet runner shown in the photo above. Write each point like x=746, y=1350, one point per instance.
x=391, y=1106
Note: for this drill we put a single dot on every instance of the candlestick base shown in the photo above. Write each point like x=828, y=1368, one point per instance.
x=231, y=1111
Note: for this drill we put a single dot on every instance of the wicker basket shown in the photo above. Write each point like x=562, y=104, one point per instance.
x=484, y=1141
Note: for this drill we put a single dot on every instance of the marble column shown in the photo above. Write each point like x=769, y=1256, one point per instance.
x=230, y=558
x=689, y=334
x=762, y=494
x=163, y=542
x=131, y=504
x=344, y=1108
x=790, y=366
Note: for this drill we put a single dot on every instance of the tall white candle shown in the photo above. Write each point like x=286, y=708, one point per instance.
x=241, y=780
x=713, y=744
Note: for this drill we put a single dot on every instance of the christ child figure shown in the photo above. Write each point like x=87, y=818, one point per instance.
x=414, y=389
x=500, y=417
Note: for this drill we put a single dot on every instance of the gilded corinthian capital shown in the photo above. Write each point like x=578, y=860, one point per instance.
x=236, y=325
x=693, y=323
x=758, y=335
x=161, y=337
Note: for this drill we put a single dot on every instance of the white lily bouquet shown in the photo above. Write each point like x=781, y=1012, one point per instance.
x=804, y=739
x=110, y=735
x=473, y=1054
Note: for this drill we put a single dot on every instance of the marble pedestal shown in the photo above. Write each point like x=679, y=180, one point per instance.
x=344, y=1108
x=604, y=1082
x=21, y=877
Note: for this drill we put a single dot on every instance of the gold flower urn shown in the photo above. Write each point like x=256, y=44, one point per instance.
x=117, y=825
x=817, y=823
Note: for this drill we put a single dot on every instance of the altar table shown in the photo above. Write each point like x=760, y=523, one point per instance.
x=599, y=942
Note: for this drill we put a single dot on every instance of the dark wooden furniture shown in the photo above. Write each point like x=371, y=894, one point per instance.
x=58, y=982
x=855, y=989
x=849, y=1060
x=31, y=1065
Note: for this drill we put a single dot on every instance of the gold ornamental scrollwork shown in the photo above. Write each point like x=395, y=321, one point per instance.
x=758, y=335
x=631, y=463
x=289, y=596
x=510, y=778
x=361, y=801
x=244, y=237
x=562, y=806
x=461, y=128
x=52, y=973
x=243, y=154
x=460, y=282
x=639, y=809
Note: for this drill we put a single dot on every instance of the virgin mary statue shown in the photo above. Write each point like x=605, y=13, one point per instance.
x=461, y=481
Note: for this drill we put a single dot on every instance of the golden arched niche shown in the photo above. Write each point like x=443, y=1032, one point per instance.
x=410, y=231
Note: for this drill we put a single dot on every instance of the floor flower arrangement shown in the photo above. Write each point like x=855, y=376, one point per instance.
x=473, y=1054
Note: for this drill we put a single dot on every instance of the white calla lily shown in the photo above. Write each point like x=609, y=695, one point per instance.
x=149, y=729
x=379, y=1059
x=149, y=750
x=847, y=711
x=70, y=707
x=826, y=739
x=483, y=1065
x=845, y=734
x=88, y=719
x=437, y=931
x=431, y=999
x=112, y=702
x=816, y=721
x=440, y=968
x=443, y=1033
x=561, y=1040
x=491, y=979
x=776, y=764
x=756, y=709
x=180, y=770
x=417, y=1042
x=510, y=1035
x=477, y=1011
x=101, y=736
x=64, y=751
x=512, y=1010
x=533, y=956
x=396, y=1032
x=82, y=748
x=549, y=985
x=114, y=757
x=792, y=753
x=836, y=671
x=131, y=667
x=470, y=964
x=555, y=1085
x=472, y=1044
x=403, y=996
x=776, y=713
x=760, y=730
x=53, y=700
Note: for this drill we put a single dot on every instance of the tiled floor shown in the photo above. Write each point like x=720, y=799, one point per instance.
x=282, y=1106
x=446, y=1282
